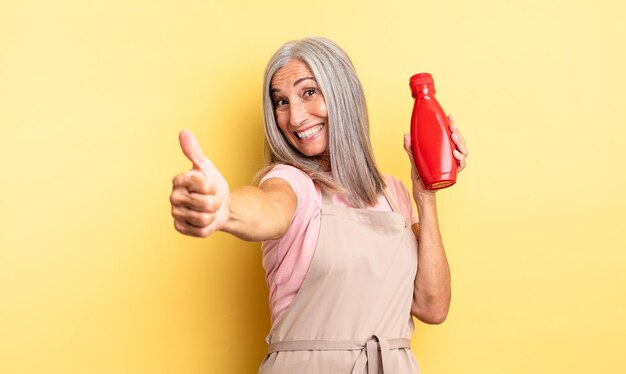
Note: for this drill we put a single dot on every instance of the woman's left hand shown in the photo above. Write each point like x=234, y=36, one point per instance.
x=460, y=153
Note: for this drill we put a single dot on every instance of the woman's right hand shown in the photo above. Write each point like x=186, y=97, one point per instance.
x=200, y=197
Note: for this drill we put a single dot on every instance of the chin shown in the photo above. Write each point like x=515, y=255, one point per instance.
x=310, y=151
x=313, y=153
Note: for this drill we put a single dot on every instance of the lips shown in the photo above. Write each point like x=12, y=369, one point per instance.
x=310, y=132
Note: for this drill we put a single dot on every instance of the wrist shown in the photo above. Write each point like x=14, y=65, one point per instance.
x=424, y=197
x=426, y=203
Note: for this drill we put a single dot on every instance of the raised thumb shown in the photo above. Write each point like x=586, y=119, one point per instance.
x=192, y=150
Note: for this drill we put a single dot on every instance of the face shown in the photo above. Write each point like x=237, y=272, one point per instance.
x=300, y=108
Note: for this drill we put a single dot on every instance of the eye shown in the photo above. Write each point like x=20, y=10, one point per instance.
x=309, y=92
x=279, y=102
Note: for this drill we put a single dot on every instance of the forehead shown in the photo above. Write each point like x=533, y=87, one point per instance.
x=292, y=71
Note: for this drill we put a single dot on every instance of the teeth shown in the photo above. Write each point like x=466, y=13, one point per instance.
x=310, y=132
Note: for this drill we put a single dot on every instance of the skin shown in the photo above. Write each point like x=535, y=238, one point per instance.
x=300, y=106
x=202, y=202
x=432, y=292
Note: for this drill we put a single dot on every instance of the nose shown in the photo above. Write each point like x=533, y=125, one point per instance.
x=298, y=113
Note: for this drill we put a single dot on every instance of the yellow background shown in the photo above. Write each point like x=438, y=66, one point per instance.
x=94, y=279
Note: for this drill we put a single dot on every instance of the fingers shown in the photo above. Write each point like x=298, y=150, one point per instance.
x=460, y=144
x=407, y=146
x=192, y=190
x=458, y=138
x=409, y=152
x=192, y=150
x=190, y=230
x=181, y=197
x=461, y=158
x=199, y=197
x=455, y=130
x=194, y=181
x=461, y=152
x=191, y=217
x=408, y=149
x=194, y=214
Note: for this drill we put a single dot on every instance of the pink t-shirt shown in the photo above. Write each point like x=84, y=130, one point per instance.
x=286, y=260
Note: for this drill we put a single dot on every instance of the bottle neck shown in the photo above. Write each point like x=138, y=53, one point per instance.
x=422, y=90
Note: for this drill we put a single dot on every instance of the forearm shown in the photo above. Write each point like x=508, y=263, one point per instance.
x=254, y=216
x=431, y=299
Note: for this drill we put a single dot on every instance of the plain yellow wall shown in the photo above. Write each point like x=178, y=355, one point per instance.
x=94, y=279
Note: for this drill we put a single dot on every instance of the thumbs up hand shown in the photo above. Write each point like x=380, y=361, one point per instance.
x=199, y=196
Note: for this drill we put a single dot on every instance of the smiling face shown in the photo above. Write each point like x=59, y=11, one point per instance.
x=300, y=108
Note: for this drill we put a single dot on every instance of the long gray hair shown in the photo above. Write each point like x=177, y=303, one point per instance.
x=354, y=171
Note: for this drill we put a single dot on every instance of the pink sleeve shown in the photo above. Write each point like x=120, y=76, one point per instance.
x=286, y=260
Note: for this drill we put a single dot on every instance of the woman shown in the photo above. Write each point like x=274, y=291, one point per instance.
x=339, y=239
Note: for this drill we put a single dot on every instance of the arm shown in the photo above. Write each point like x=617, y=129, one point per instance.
x=432, y=291
x=262, y=213
x=202, y=202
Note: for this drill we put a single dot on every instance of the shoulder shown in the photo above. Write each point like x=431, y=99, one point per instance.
x=300, y=182
x=298, y=179
x=308, y=205
x=401, y=195
x=395, y=186
x=284, y=168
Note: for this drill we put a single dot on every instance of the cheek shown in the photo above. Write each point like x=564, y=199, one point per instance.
x=320, y=109
x=282, y=121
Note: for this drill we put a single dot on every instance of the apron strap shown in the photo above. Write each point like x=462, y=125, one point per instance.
x=327, y=199
x=392, y=203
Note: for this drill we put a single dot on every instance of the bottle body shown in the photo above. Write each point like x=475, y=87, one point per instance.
x=431, y=139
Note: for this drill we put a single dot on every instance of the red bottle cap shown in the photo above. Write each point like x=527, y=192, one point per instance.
x=421, y=78
x=418, y=81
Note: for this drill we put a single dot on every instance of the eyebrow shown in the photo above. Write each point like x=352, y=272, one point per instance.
x=303, y=79
x=273, y=89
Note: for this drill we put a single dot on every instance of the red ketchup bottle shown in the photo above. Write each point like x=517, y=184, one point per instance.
x=431, y=140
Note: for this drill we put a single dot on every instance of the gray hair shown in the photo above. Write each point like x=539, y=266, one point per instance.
x=354, y=171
